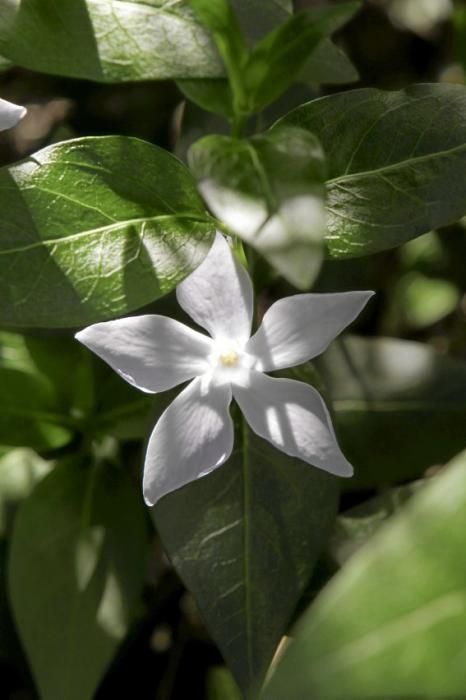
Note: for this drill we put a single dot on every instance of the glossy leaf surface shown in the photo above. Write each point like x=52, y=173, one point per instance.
x=107, y=40
x=94, y=228
x=245, y=540
x=396, y=163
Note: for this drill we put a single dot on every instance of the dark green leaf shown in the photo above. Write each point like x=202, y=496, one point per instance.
x=400, y=407
x=76, y=571
x=276, y=60
x=356, y=526
x=94, y=228
x=259, y=17
x=391, y=624
x=212, y=95
x=120, y=409
x=107, y=40
x=396, y=163
x=245, y=540
x=282, y=217
x=329, y=65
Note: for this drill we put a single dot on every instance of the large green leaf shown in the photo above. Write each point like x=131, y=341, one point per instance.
x=392, y=622
x=93, y=228
x=107, y=40
x=396, y=163
x=400, y=407
x=76, y=570
x=282, y=217
x=245, y=540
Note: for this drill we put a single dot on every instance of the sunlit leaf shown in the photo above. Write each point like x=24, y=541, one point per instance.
x=391, y=623
x=107, y=40
x=93, y=228
x=76, y=570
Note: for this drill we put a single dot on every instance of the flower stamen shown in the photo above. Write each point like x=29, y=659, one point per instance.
x=229, y=359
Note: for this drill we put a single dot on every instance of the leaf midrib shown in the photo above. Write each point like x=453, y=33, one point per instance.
x=394, y=166
x=104, y=230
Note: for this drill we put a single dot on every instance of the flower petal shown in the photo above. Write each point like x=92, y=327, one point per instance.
x=293, y=417
x=154, y=353
x=218, y=294
x=193, y=436
x=10, y=114
x=299, y=327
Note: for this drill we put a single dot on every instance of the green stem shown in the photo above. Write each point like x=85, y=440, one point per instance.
x=247, y=506
x=237, y=125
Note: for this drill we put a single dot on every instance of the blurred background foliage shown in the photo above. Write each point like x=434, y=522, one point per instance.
x=167, y=653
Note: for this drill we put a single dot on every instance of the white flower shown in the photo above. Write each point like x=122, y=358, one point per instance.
x=195, y=433
x=10, y=114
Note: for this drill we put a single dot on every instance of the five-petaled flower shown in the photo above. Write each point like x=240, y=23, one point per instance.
x=194, y=435
x=10, y=114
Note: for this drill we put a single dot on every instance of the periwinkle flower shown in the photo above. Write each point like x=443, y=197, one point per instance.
x=10, y=114
x=195, y=433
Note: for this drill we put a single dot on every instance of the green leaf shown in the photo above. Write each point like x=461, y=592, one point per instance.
x=221, y=685
x=391, y=624
x=282, y=217
x=328, y=65
x=255, y=18
x=119, y=410
x=20, y=471
x=94, y=228
x=245, y=540
x=276, y=60
x=107, y=40
x=396, y=163
x=37, y=399
x=212, y=95
x=400, y=407
x=259, y=17
x=421, y=301
x=356, y=526
x=274, y=63
x=76, y=571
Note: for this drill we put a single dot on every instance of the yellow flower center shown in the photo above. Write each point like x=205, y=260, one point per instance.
x=229, y=359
